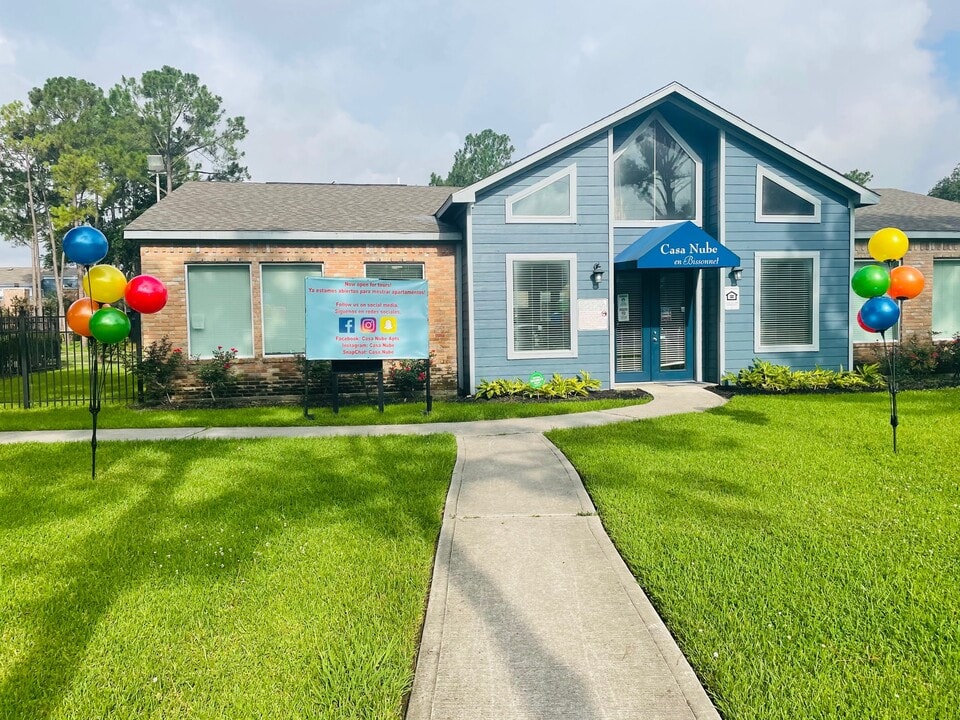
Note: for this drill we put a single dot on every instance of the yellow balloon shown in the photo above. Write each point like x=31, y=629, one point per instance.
x=104, y=283
x=888, y=244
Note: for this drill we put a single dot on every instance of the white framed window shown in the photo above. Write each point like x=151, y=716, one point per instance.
x=656, y=177
x=857, y=333
x=541, y=298
x=394, y=271
x=779, y=200
x=946, y=298
x=787, y=316
x=283, y=305
x=552, y=200
x=219, y=309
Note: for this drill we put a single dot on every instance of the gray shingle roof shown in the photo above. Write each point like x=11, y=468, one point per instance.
x=297, y=207
x=911, y=212
x=15, y=277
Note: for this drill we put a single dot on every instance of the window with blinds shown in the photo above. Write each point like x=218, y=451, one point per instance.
x=394, y=271
x=218, y=309
x=946, y=298
x=787, y=288
x=284, y=306
x=540, y=307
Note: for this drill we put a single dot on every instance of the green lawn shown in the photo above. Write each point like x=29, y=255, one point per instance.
x=216, y=579
x=806, y=570
x=118, y=416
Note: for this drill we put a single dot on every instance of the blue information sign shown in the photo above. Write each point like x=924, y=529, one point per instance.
x=366, y=319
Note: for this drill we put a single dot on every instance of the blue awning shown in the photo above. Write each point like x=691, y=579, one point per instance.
x=683, y=245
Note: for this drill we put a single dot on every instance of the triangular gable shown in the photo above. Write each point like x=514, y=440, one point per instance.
x=469, y=193
x=682, y=245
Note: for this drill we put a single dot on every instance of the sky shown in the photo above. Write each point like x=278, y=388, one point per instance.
x=374, y=92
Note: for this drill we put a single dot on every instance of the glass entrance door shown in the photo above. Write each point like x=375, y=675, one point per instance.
x=653, y=325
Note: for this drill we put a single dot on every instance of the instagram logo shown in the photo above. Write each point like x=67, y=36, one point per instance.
x=368, y=325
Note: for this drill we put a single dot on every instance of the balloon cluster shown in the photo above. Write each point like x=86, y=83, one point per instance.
x=884, y=287
x=93, y=316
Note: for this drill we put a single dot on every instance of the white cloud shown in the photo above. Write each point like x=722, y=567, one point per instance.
x=363, y=92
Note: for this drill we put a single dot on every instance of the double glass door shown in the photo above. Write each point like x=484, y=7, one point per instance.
x=653, y=323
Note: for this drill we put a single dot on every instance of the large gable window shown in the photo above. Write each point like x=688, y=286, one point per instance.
x=657, y=177
x=788, y=295
x=552, y=200
x=541, y=297
x=284, y=306
x=779, y=200
x=218, y=309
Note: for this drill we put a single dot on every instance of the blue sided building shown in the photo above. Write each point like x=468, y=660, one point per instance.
x=669, y=241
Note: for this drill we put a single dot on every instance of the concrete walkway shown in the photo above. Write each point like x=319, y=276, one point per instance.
x=532, y=613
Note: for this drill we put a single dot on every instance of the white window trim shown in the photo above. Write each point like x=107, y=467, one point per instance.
x=569, y=217
x=697, y=219
x=571, y=259
x=186, y=293
x=758, y=259
x=423, y=268
x=263, y=335
x=762, y=173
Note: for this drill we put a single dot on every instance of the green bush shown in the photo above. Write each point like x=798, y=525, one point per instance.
x=558, y=387
x=949, y=357
x=218, y=374
x=159, y=366
x=764, y=375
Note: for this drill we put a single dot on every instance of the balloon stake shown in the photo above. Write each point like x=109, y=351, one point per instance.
x=891, y=357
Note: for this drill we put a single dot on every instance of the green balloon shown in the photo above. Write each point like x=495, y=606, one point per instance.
x=870, y=281
x=109, y=325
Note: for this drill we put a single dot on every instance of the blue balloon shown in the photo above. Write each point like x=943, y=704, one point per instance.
x=85, y=245
x=880, y=313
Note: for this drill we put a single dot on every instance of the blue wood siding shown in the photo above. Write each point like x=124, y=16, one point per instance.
x=493, y=239
x=744, y=236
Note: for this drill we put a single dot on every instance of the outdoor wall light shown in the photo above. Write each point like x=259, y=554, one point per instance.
x=596, y=276
x=735, y=275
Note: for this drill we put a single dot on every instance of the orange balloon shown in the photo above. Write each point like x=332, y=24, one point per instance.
x=79, y=314
x=906, y=282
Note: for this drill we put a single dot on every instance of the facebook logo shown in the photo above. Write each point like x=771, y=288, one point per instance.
x=347, y=325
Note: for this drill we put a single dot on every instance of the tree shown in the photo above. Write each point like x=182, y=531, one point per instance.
x=481, y=156
x=861, y=177
x=949, y=187
x=185, y=125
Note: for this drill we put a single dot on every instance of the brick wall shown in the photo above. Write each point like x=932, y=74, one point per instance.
x=267, y=375
x=917, y=313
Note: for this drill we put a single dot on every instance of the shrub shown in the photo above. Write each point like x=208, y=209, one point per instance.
x=157, y=369
x=764, y=375
x=408, y=376
x=557, y=387
x=949, y=357
x=917, y=357
x=218, y=375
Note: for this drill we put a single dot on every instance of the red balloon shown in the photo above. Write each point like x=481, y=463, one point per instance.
x=906, y=282
x=79, y=314
x=145, y=294
x=862, y=324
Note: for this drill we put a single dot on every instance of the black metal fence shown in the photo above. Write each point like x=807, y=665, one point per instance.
x=44, y=363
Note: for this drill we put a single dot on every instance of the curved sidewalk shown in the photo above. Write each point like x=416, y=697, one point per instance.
x=669, y=399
